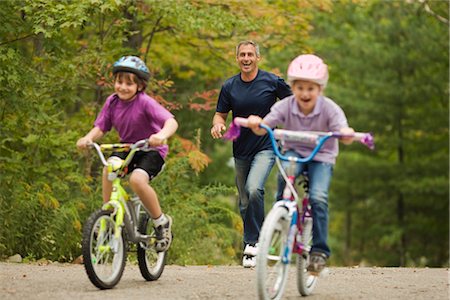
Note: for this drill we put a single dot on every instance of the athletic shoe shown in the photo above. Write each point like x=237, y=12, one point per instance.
x=317, y=262
x=251, y=249
x=248, y=261
x=164, y=235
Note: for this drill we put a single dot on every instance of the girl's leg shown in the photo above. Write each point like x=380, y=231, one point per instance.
x=139, y=183
x=320, y=177
x=106, y=186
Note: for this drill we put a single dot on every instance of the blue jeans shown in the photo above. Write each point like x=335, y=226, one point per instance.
x=251, y=175
x=319, y=174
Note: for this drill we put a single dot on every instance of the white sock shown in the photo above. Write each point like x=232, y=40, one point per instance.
x=161, y=220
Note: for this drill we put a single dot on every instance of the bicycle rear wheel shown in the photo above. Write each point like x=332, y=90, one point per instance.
x=305, y=281
x=271, y=272
x=151, y=262
x=103, y=253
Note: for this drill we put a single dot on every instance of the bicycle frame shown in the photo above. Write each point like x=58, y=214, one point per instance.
x=297, y=213
x=109, y=232
x=126, y=210
x=288, y=226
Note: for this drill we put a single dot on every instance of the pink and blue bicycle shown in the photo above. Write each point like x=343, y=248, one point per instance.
x=287, y=228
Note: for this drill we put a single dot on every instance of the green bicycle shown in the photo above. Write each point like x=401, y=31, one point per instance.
x=110, y=231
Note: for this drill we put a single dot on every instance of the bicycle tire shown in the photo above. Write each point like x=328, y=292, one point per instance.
x=306, y=282
x=271, y=272
x=151, y=263
x=104, y=256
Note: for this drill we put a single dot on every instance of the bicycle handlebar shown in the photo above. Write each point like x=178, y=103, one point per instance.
x=141, y=145
x=312, y=137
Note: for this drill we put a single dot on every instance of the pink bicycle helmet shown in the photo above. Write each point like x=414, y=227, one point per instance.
x=308, y=67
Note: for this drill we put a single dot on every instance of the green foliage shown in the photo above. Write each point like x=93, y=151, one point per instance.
x=389, y=71
x=391, y=57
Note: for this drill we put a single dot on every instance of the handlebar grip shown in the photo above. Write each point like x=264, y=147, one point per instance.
x=362, y=137
x=366, y=139
x=359, y=136
x=241, y=121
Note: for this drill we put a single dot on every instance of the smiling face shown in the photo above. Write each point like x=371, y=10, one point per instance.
x=126, y=86
x=306, y=94
x=247, y=59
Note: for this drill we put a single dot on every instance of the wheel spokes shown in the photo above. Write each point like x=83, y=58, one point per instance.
x=106, y=250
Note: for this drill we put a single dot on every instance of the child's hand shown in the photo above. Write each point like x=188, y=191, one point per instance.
x=157, y=140
x=253, y=122
x=347, y=131
x=84, y=142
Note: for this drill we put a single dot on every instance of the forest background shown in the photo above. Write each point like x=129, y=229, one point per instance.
x=389, y=70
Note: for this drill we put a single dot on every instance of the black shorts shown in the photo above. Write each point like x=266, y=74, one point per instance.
x=151, y=162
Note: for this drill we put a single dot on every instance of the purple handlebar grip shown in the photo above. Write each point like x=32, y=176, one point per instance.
x=363, y=137
x=368, y=141
x=233, y=131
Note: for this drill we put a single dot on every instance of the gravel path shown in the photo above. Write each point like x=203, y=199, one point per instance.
x=69, y=281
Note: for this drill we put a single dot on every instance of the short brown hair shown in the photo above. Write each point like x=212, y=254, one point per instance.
x=247, y=42
x=131, y=77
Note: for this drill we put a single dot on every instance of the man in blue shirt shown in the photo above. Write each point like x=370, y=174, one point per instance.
x=251, y=92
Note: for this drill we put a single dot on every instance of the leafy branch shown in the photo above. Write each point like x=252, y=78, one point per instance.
x=427, y=8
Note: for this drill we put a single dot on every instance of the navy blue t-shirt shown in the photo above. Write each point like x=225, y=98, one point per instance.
x=255, y=97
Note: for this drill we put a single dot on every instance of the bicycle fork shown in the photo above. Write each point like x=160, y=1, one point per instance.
x=118, y=216
x=290, y=238
x=289, y=196
x=299, y=226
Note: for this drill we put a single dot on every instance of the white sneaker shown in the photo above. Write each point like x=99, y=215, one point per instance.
x=249, y=261
x=251, y=249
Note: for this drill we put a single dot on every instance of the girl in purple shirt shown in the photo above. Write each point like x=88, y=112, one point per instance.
x=308, y=110
x=137, y=116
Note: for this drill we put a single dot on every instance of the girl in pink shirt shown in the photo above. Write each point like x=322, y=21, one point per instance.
x=136, y=116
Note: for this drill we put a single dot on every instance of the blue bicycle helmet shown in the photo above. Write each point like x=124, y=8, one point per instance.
x=132, y=64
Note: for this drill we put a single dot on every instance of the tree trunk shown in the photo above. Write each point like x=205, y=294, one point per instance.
x=134, y=36
x=400, y=198
x=348, y=237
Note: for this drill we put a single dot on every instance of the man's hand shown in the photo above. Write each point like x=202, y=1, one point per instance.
x=217, y=129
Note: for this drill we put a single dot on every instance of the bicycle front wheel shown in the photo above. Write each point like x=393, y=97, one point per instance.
x=151, y=262
x=271, y=271
x=103, y=252
x=305, y=280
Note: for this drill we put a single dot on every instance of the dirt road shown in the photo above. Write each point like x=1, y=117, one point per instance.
x=67, y=281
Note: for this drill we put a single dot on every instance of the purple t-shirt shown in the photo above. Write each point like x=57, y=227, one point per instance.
x=134, y=120
x=326, y=116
